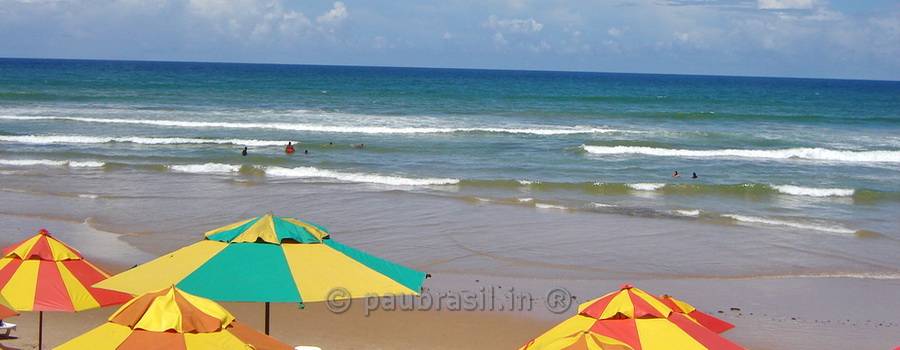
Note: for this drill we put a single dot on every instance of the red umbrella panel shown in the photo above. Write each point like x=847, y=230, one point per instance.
x=706, y=320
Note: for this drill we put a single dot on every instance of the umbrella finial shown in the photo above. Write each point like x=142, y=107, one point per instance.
x=44, y=232
x=626, y=286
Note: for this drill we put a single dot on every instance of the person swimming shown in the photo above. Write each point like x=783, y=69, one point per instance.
x=306, y=151
x=694, y=176
x=676, y=174
x=289, y=148
x=244, y=151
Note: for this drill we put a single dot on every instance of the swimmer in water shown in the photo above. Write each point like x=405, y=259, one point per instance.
x=676, y=174
x=306, y=151
x=694, y=176
x=289, y=148
x=244, y=152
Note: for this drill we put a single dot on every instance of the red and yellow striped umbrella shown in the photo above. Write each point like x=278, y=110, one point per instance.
x=637, y=319
x=706, y=320
x=6, y=310
x=174, y=320
x=43, y=274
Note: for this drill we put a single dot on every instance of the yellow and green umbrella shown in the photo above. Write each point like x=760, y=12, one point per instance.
x=174, y=320
x=270, y=259
x=637, y=319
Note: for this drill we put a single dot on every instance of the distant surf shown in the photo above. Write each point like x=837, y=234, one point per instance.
x=818, y=154
x=78, y=139
x=548, y=130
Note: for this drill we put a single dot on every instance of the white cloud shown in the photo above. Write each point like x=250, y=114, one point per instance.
x=335, y=16
x=785, y=4
x=263, y=22
x=380, y=43
x=499, y=39
x=447, y=36
x=540, y=46
x=615, y=32
x=514, y=25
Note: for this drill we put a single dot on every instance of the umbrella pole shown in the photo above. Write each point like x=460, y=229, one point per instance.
x=267, y=318
x=40, y=330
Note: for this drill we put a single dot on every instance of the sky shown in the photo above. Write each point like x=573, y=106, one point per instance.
x=793, y=38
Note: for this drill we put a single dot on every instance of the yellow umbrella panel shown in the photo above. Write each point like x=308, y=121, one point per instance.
x=173, y=320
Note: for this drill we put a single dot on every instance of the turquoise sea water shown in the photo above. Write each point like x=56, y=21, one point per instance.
x=800, y=155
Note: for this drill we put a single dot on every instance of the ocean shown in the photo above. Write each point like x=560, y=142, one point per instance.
x=814, y=157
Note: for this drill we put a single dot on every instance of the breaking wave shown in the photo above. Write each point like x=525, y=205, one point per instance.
x=814, y=192
x=311, y=172
x=820, y=154
x=77, y=139
x=48, y=162
x=208, y=168
x=646, y=186
x=553, y=130
x=791, y=224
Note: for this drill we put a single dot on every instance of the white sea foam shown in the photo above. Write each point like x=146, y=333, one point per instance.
x=602, y=205
x=646, y=186
x=77, y=139
x=821, y=154
x=528, y=182
x=88, y=196
x=310, y=172
x=208, y=168
x=48, y=162
x=814, y=192
x=793, y=224
x=549, y=206
x=859, y=275
x=373, y=129
x=688, y=213
x=525, y=200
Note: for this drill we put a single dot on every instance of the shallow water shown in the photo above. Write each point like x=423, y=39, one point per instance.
x=160, y=212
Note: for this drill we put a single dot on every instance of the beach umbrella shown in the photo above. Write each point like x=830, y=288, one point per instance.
x=706, y=320
x=174, y=320
x=580, y=340
x=43, y=274
x=6, y=310
x=270, y=259
x=638, y=319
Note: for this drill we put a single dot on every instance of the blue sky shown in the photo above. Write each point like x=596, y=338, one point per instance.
x=808, y=38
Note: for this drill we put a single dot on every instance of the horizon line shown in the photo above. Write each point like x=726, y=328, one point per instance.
x=446, y=68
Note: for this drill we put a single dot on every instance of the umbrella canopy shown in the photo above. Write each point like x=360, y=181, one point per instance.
x=706, y=320
x=6, y=310
x=173, y=319
x=43, y=274
x=637, y=319
x=269, y=259
x=580, y=340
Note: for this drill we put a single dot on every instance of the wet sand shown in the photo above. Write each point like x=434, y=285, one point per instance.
x=782, y=290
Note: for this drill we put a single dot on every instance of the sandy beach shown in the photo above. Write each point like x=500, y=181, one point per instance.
x=500, y=248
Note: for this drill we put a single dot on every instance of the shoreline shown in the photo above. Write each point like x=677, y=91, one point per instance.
x=500, y=247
